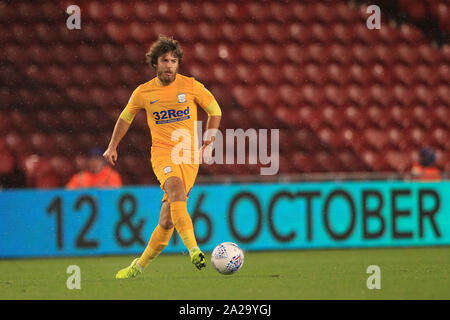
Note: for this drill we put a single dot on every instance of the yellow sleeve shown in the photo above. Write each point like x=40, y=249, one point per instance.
x=133, y=106
x=213, y=109
x=202, y=96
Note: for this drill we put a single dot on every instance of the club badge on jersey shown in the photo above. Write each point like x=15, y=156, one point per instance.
x=181, y=98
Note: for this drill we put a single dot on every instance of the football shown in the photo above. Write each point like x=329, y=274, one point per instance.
x=227, y=258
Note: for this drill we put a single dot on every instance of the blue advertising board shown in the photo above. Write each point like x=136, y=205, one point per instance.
x=38, y=223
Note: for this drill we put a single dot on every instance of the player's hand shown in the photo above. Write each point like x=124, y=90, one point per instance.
x=110, y=156
x=206, y=153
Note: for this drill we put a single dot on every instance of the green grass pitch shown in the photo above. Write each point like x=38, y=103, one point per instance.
x=410, y=273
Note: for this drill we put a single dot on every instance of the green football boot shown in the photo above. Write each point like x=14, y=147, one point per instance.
x=132, y=271
x=198, y=258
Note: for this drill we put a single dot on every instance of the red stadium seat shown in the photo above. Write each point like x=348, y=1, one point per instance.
x=402, y=74
x=342, y=34
x=302, y=162
x=332, y=116
x=381, y=74
x=328, y=137
x=121, y=11
x=375, y=138
x=428, y=54
x=308, y=116
x=311, y=95
x=362, y=54
x=276, y=32
x=258, y=11
x=411, y=34
x=167, y=12
x=358, y=95
x=397, y=139
x=353, y=116
x=328, y=162
x=98, y=12
x=345, y=13
x=273, y=53
x=7, y=162
x=39, y=55
x=336, y=74
x=232, y=32
x=36, y=166
x=269, y=74
x=416, y=9
x=400, y=117
x=442, y=114
x=63, y=167
x=296, y=54
x=383, y=54
x=267, y=95
x=318, y=53
x=420, y=116
x=444, y=73
x=201, y=72
x=359, y=74
x=299, y=33
x=363, y=35
x=6, y=124
x=380, y=95
x=440, y=138
x=377, y=116
x=374, y=161
x=290, y=96
x=209, y=32
x=144, y=11
x=253, y=33
x=302, y=12
x=59, y=76
x=245, y=95
x=43, y=144
x=306, y=140
x=280, y=12
x=223, y=74
x=48, y=181
x=245, y=74
x=387, y=34
x=291, y=73
x=335, y=95
x=402, y=95
x=314, y=73
x=205, y=54
x=234, y=12
x=442, y=94
x=398, y=160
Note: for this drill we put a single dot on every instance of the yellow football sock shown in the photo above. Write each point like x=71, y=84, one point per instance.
x=158, y=241
x=183, y=223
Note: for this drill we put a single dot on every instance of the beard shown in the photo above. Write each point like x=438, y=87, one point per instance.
x=166, y=78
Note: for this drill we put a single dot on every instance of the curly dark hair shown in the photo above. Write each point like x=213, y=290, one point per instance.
x=162, y=46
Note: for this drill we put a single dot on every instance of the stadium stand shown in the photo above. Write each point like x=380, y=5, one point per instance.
x=345, y=98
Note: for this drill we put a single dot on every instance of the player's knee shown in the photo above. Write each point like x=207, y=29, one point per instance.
x=175, y=189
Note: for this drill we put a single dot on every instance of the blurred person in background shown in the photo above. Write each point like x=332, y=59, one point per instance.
x=98, y=174
x=425, y=170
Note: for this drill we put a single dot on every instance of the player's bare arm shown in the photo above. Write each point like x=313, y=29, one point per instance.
x=212, y=125
x=120, y=129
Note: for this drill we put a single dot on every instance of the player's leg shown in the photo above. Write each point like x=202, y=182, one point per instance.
x=175, y=189
x=158, y=241
x=160, y=237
